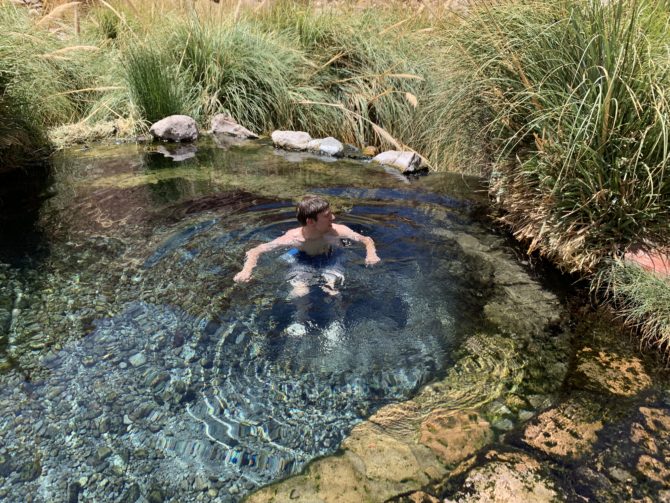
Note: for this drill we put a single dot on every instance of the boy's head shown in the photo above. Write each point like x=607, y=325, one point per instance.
x=310, y=207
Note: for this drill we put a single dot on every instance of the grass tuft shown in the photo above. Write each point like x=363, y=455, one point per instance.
x=642, y=299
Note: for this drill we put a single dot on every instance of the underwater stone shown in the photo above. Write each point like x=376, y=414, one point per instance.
x=137, y=359
x=103, y=453
x=503, y=425
x=132, y=495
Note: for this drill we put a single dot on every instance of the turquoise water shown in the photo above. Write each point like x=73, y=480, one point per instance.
x=134, y=363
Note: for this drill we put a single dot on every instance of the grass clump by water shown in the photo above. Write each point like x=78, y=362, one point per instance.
x=574, y=107
x=155, y=84
x=643, y=299
x=578, y=95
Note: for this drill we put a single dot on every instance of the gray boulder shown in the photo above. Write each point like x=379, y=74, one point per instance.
x=175, y=128
x=225, y=124
x=326, y=146
x=406, y=162
x=291, y=140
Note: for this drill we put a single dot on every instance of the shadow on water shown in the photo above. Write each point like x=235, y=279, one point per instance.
x=22, y=193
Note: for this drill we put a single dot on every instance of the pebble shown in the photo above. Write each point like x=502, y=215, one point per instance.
x=103, y=453
x=503, y=425
x=138, y=359
x=525, y=415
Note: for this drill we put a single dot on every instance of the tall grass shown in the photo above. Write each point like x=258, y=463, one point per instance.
x=156, y=84
x=578, y=92
x=642, y=299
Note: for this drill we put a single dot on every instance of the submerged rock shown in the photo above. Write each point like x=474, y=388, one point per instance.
x=455, y=435
x=291, y=140
x=225, y=124
x=507, y=477
x=175, y=128
x=568, y=431
x=406, y=162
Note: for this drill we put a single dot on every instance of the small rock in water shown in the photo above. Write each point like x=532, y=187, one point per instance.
x=503, y=425
x=291, y=140
x=132, y=494
x=326, y=146
x=200, y=483
x=73, y=492
x=175, y=128
x=103, y=453
x=138, y=360
x=525, y=415
x=225, y=124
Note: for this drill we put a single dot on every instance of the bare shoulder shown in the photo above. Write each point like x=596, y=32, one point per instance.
x=344, y=231
x=292, y=236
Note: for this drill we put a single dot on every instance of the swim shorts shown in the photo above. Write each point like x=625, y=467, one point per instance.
x=309, y=269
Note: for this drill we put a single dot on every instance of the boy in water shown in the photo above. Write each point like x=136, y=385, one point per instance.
x=316, y=243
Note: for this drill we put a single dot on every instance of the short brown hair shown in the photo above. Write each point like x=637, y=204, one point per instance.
x=310, y=207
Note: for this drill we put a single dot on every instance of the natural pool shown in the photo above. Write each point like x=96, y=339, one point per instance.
x=133, y=367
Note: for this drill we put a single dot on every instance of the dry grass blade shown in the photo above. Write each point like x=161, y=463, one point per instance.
x=89, y=90
x=404, y=76
x=396, y=25
x=56, y=13
x=60, y=52
x=411, y=99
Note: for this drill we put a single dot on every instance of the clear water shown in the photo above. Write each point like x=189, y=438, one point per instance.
x=128, y=333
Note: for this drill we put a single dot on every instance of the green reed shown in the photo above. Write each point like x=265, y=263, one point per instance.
x=577, y=93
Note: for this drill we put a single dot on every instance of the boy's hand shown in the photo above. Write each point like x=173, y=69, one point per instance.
x=242, y=277
x=371, y=259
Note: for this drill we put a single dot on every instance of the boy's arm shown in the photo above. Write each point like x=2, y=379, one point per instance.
x=371, y=256
x=252, y=255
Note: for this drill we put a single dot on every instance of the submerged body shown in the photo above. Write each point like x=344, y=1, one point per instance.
x=318, y=236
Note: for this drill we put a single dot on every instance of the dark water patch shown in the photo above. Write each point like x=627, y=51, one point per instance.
x=22, y=194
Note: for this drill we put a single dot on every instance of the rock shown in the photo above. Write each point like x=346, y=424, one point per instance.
x=175, y=128
x=503, y=425
x=326, y=146
x=422, y=497
x=353, y=152
x=565, y=431
x=455, y=435
x=406, y=162
x=137, y=359
x=73, y=492
x=602, y=370
x=103, y=453
x=653, y=469
x=156, y=495
x=225, y=124
x=370, y=151
x=200, y=483
x=132, y=494
x=507, y=477
x=291, y=140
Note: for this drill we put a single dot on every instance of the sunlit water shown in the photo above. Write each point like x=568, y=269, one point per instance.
x=191, y=381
